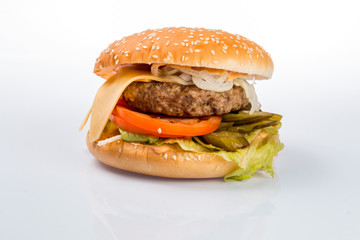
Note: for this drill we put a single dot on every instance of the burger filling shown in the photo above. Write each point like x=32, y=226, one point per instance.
x=199, y=110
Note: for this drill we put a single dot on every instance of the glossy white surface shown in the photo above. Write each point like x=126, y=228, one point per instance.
x=52, y=188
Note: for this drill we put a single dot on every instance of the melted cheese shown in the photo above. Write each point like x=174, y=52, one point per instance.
x=108, y=95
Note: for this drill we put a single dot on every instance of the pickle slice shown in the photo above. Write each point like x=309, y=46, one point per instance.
x=243, y=117
x=246, y=128
x=227, y=140
x=225, y=125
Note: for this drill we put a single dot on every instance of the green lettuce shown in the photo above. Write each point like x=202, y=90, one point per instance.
x=133, y=137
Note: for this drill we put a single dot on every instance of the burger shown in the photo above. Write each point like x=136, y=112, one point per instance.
x=180, y=103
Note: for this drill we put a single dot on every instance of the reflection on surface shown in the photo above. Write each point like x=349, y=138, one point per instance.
x=132, y=206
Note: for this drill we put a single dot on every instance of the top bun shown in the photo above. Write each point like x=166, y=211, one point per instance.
x=196, y=47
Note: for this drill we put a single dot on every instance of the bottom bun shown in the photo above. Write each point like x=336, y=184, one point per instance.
x=163, y=161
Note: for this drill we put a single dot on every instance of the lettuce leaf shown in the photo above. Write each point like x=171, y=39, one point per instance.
x=258, y=155
x=133, y=137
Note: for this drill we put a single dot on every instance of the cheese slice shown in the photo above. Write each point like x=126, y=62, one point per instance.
x=108, y=95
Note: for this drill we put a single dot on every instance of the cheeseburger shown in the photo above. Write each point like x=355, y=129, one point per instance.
x=180, y=103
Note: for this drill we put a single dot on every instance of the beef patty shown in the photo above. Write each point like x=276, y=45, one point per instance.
x=184, y=101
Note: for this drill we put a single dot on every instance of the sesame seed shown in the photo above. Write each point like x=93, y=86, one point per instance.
x=174, y=157
x=224, y=50
x=225, y=46
x=201, y=34
x=165, y=155
x=199, y=157
x=212, y=52
x=197, y=50
x=170, y=54
x=115, y=57
x=187, y=44
x=237, y=52
x=215, y=61
x=190, y=49
x=186, y=58
x=155, y=56
x=144, y=46
x=183, y=58
x=207, y=39
x=158, y=38
x=117, y=61
x=234, y=45
x=159, y=129
x=187, y=158
x=183, y=44
x=166, y=37
x=185, y=40
x=153, y=47
x=202, y=62
x=158, y=47
x=176, y=44
x=137, y=48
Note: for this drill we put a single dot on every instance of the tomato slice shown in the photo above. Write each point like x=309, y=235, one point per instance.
x=158, y=126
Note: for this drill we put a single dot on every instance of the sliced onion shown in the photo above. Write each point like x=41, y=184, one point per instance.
x=191, y=72
x=155, y=69
x=250, y=93
x=176, y=79
x=185, y=77
x=167, y=70
x=212, y=85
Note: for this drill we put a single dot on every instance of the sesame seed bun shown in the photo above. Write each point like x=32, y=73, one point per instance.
x=196, y=47
x=163, y=161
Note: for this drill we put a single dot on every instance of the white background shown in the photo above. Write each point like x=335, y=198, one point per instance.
x=52, y=188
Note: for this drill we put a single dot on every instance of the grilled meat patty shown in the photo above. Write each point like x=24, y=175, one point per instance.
x=184, y=101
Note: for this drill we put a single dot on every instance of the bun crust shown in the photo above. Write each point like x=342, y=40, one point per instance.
x=163, y=161
x=196, y=47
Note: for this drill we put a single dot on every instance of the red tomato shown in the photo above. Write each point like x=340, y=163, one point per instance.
x=167, y=127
